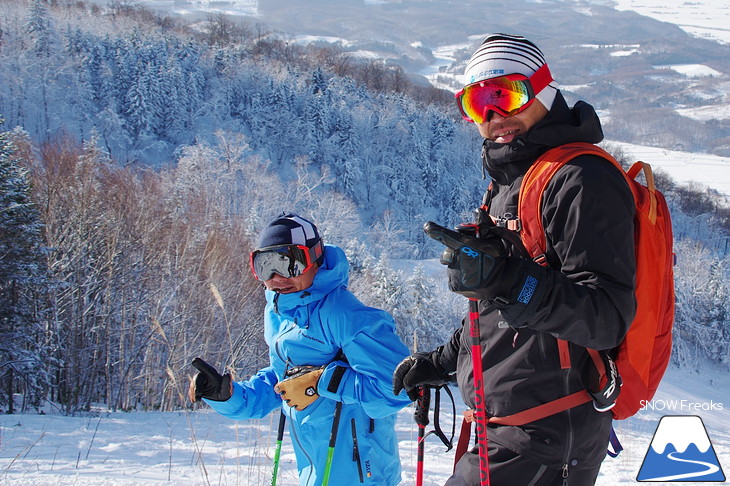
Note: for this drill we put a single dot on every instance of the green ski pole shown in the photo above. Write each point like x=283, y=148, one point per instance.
x=333, y=440
x=277, y=452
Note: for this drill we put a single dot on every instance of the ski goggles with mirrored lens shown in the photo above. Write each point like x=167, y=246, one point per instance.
x=506, y=95
x=285, y=260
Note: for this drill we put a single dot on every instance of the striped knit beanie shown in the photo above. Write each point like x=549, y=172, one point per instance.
x=503, y=54
x=289, y=229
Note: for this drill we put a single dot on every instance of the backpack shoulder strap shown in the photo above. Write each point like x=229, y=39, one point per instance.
x=534, y=184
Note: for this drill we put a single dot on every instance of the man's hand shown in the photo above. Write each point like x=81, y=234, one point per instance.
x=417, y=370
x=299, y=388
x=473, y=262
x=479, y=268
x=208, y=383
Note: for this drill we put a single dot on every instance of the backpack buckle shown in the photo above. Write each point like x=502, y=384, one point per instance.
x=509, y=221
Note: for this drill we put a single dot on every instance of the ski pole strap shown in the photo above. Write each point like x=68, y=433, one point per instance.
x=464, y=439
x=544, y=410
x=615, y=446
x=448, y=442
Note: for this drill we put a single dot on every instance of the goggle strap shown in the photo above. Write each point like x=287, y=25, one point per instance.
x=316, y=251
x=540, y=79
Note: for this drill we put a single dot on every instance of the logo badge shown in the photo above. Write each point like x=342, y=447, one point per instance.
x=469, y=252
x=681, y=451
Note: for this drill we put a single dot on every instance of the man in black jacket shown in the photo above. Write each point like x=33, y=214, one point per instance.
x=583, y=296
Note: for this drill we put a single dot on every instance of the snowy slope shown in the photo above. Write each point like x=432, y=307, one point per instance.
x=200, y=448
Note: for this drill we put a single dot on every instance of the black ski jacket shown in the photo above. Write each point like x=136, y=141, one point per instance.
x=588, y=297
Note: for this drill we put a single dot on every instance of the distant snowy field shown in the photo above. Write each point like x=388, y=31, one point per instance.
x=709, y=19
x=203, y=448
x=703, y=18
x=706, y=169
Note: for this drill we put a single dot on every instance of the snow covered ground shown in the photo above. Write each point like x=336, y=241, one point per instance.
x=709, y=19
x=684, y=167
x=203, y=448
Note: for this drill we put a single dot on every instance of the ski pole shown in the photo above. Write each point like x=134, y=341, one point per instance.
x=277, y=452
x=421, y=418
x=455, y=241
x=333, y=440
x=480, y=412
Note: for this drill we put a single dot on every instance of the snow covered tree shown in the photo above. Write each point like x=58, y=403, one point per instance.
x=702, y=324
x=22, y=277
x=39, y=28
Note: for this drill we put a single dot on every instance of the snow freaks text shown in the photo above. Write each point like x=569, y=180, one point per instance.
x=680, y=406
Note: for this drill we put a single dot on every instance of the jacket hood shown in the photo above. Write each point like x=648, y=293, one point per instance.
x=505, y=162
x=333, y=273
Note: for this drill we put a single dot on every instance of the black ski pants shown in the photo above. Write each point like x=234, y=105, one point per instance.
x=507, y=468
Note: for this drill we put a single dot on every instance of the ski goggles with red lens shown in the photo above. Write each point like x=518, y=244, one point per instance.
x=506, y=95
x=285, y=260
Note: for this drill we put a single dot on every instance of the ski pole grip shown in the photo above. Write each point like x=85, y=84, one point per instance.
x=422, y=406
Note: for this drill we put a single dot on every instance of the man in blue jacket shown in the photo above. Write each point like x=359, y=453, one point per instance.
x=325, y=347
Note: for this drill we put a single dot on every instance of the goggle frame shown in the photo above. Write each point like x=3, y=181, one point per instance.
x=532, y=85
x=298, y=253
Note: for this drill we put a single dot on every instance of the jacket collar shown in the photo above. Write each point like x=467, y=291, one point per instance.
x=333, y=273
x=506, y=162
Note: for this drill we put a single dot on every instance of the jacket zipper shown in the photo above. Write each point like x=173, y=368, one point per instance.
x=295, y=437
x=541, y=345
x=571, y=435
x=356, y=450
x=285, y=359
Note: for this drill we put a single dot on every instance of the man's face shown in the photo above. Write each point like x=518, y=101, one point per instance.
x=284, y=285
x=502, y=129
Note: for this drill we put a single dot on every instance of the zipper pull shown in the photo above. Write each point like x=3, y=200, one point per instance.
x=565, y=474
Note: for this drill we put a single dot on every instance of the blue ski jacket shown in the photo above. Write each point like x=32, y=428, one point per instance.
x=327, y=325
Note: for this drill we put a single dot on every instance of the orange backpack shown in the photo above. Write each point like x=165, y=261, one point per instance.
x=643, y=355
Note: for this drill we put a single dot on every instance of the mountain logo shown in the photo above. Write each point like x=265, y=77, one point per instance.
x=681, y=451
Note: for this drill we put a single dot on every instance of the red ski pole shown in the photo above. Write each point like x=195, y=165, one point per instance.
x=455, y=241
x=480, y=412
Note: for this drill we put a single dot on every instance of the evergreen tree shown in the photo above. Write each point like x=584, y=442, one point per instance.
x=21, y=280
x=39, y=28
x=138, y=113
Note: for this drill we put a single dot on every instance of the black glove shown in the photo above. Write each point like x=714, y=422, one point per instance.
x=473, y=262
x=210, y=384
x=416, y=370
x=479, y=268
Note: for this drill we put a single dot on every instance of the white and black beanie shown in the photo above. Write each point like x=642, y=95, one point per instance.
x=289, y=229
x=504, y=54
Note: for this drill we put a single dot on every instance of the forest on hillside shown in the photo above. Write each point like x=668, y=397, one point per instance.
x=139, y=160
